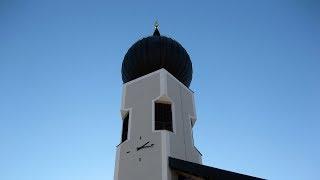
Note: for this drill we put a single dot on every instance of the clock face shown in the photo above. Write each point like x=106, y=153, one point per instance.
x=137, y=150
x=143, y=145
x=139, y=155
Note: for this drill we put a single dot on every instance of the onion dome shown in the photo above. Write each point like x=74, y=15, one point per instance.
x=153, y=53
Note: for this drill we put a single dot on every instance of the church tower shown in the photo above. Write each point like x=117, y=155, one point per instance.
x=158, y=114
x=157, y=110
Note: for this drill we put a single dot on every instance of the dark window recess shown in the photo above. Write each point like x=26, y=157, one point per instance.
x=163, y=117
x=125, y=124
x=181, y=177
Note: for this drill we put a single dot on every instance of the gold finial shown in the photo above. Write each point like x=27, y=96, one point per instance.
x=156, y=24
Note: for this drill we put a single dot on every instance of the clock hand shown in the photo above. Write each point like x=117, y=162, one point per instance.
x=145, y=144
x=148, y=146
x=141, y=147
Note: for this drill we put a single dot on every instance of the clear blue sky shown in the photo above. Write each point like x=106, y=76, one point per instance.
x=256, y=81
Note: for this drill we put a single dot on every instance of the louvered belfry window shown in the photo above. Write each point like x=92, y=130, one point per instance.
x=163, y=117
x=125, y=124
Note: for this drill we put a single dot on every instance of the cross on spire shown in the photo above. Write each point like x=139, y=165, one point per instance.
x=156, y=31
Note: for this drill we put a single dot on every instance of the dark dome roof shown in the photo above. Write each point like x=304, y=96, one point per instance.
x=153, y=53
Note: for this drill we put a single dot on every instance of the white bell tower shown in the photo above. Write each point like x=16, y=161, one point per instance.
x=157, y=110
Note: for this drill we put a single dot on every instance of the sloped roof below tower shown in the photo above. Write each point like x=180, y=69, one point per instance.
x=206, y=172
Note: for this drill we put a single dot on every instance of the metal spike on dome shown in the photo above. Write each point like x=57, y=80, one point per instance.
x=156, y=31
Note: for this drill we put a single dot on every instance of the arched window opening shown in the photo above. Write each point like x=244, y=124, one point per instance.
x=125, y=125
x=163, y=116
